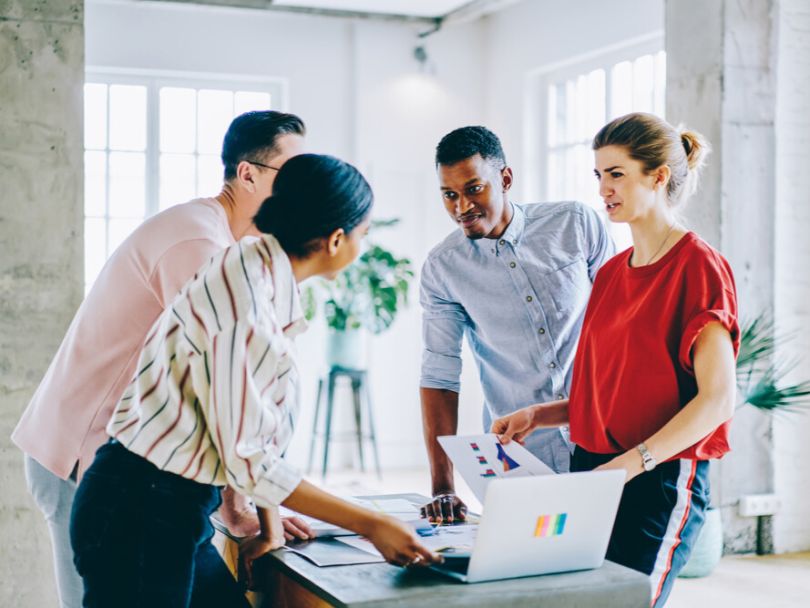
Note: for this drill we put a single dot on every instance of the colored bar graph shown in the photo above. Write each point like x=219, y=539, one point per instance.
x=489, y=473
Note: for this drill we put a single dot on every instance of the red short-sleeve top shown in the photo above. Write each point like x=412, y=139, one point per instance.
x=633, y=369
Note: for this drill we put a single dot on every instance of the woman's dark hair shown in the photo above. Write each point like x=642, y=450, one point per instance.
x=313, y=195
x=252, y=136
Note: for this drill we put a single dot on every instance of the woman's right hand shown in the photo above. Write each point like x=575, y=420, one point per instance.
x=398, y=543
x=516, y=425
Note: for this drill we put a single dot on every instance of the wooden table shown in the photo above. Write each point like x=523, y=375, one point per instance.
x=290, y=581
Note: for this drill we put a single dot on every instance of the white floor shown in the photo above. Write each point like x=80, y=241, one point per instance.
x=774, y=581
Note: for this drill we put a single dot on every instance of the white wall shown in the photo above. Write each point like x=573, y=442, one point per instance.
x=791, y=447
x=535, y=34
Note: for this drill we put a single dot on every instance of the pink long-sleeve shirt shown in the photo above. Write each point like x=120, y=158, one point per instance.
x=65, y=421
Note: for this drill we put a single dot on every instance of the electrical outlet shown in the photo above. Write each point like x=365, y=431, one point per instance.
x=754, y=505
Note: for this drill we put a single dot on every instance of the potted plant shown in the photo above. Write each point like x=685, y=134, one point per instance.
x=760, y=383
x=366, y=296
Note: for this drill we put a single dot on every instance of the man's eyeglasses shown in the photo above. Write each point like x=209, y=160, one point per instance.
x=258, y=164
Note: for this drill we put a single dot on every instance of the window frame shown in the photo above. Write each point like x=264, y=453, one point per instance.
x=153, y=81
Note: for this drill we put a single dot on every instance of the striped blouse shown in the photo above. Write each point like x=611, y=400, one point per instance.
x=214, y=395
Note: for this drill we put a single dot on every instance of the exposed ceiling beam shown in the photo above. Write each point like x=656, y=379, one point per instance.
x=475, y=10
x=268, y=5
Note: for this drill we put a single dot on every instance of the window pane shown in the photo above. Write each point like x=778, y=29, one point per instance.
x=120, y=229
x=552, y=116
x=621, y=89
x=660, y=83
x=214, y=114
x=177, y=179
x=95, y=116
x=95, y=183
x=570, y=111
x=209, y=175
x=127, y=117
x=127, y=188
x=178, y=119
x=643, y=84
x=595, y=93
x=245, y=101
x=554, y=176
x=95, y=249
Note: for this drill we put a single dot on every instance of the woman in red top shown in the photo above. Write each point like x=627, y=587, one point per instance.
x=653, y=385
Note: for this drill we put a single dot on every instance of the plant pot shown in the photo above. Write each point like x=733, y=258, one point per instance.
x=346, y=349
x=708, y=547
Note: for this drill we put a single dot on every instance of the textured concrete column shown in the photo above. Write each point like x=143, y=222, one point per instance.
x=41, y=269
x=721, y=81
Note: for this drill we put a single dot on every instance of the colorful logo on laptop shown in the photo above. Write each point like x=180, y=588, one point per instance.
x=550, y=525
x=508, y=463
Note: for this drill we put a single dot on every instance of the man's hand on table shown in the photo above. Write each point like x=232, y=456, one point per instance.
x=445, y=508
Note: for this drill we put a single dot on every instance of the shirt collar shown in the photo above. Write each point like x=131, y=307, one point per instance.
x=514, y=231
x=286, y=296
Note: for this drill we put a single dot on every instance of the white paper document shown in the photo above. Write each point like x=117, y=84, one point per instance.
x=481, y=458
x=458, y=538
x=400, y=508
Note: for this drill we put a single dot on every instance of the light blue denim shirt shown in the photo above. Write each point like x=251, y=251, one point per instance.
x=520, y=300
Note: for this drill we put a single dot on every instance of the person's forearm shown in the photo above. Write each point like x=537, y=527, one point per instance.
x=551, y=414
x=439, y=417
x=265, y=522
x=314, y=502
x=697, y=419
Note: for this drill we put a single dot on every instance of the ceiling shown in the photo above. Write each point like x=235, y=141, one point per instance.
x=435, y=12
x=411, y=8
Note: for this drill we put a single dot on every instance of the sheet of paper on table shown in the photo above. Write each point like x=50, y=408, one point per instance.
x=395, y=507
x=481, y=458
x=459, y=538
x=330, y=552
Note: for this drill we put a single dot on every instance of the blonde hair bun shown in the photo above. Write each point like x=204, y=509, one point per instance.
x=696, y=148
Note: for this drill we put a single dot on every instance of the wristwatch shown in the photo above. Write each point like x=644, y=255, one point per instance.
x=647, y=460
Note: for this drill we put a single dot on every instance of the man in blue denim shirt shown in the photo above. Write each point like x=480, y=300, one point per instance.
x=515, y=280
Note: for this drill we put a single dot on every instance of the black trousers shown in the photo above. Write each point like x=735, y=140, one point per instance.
x=142, y=537
x=660, y=515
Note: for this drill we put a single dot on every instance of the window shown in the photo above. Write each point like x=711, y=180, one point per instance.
x=577, y=99
x=152, y=142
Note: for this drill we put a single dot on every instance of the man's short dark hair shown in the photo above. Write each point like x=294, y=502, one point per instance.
x=465, y=142
x=252, y=136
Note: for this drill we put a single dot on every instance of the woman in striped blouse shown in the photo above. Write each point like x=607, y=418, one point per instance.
x=214, y=402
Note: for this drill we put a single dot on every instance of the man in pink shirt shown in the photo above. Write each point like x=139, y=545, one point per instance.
x=64, y=424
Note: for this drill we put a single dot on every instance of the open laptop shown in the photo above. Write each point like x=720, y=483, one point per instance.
x=540, y=525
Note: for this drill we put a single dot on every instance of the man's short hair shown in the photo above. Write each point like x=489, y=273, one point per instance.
x=252, y=136
x=465, y=142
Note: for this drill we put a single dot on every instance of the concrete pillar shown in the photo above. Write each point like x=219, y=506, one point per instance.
x=721, y=76
x=791, y=529
x=41, y=267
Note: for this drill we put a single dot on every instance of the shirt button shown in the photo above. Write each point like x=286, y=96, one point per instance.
x=560, y=396
x=552, y=365
x=501, y=242
x=528, y=298
x=541, y=331
x=514, y=242
x=512, y=264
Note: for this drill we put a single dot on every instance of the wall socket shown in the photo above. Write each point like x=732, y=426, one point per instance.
x=754, y=505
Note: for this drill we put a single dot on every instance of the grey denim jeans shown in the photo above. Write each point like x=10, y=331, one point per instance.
x=54, y=497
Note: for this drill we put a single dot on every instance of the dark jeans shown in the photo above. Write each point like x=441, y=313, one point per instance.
x=142, y=537
x=660, y=515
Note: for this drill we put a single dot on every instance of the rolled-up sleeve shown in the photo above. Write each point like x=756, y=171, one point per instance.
x=598, y=243
x=247, y=411
x=443, y=325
